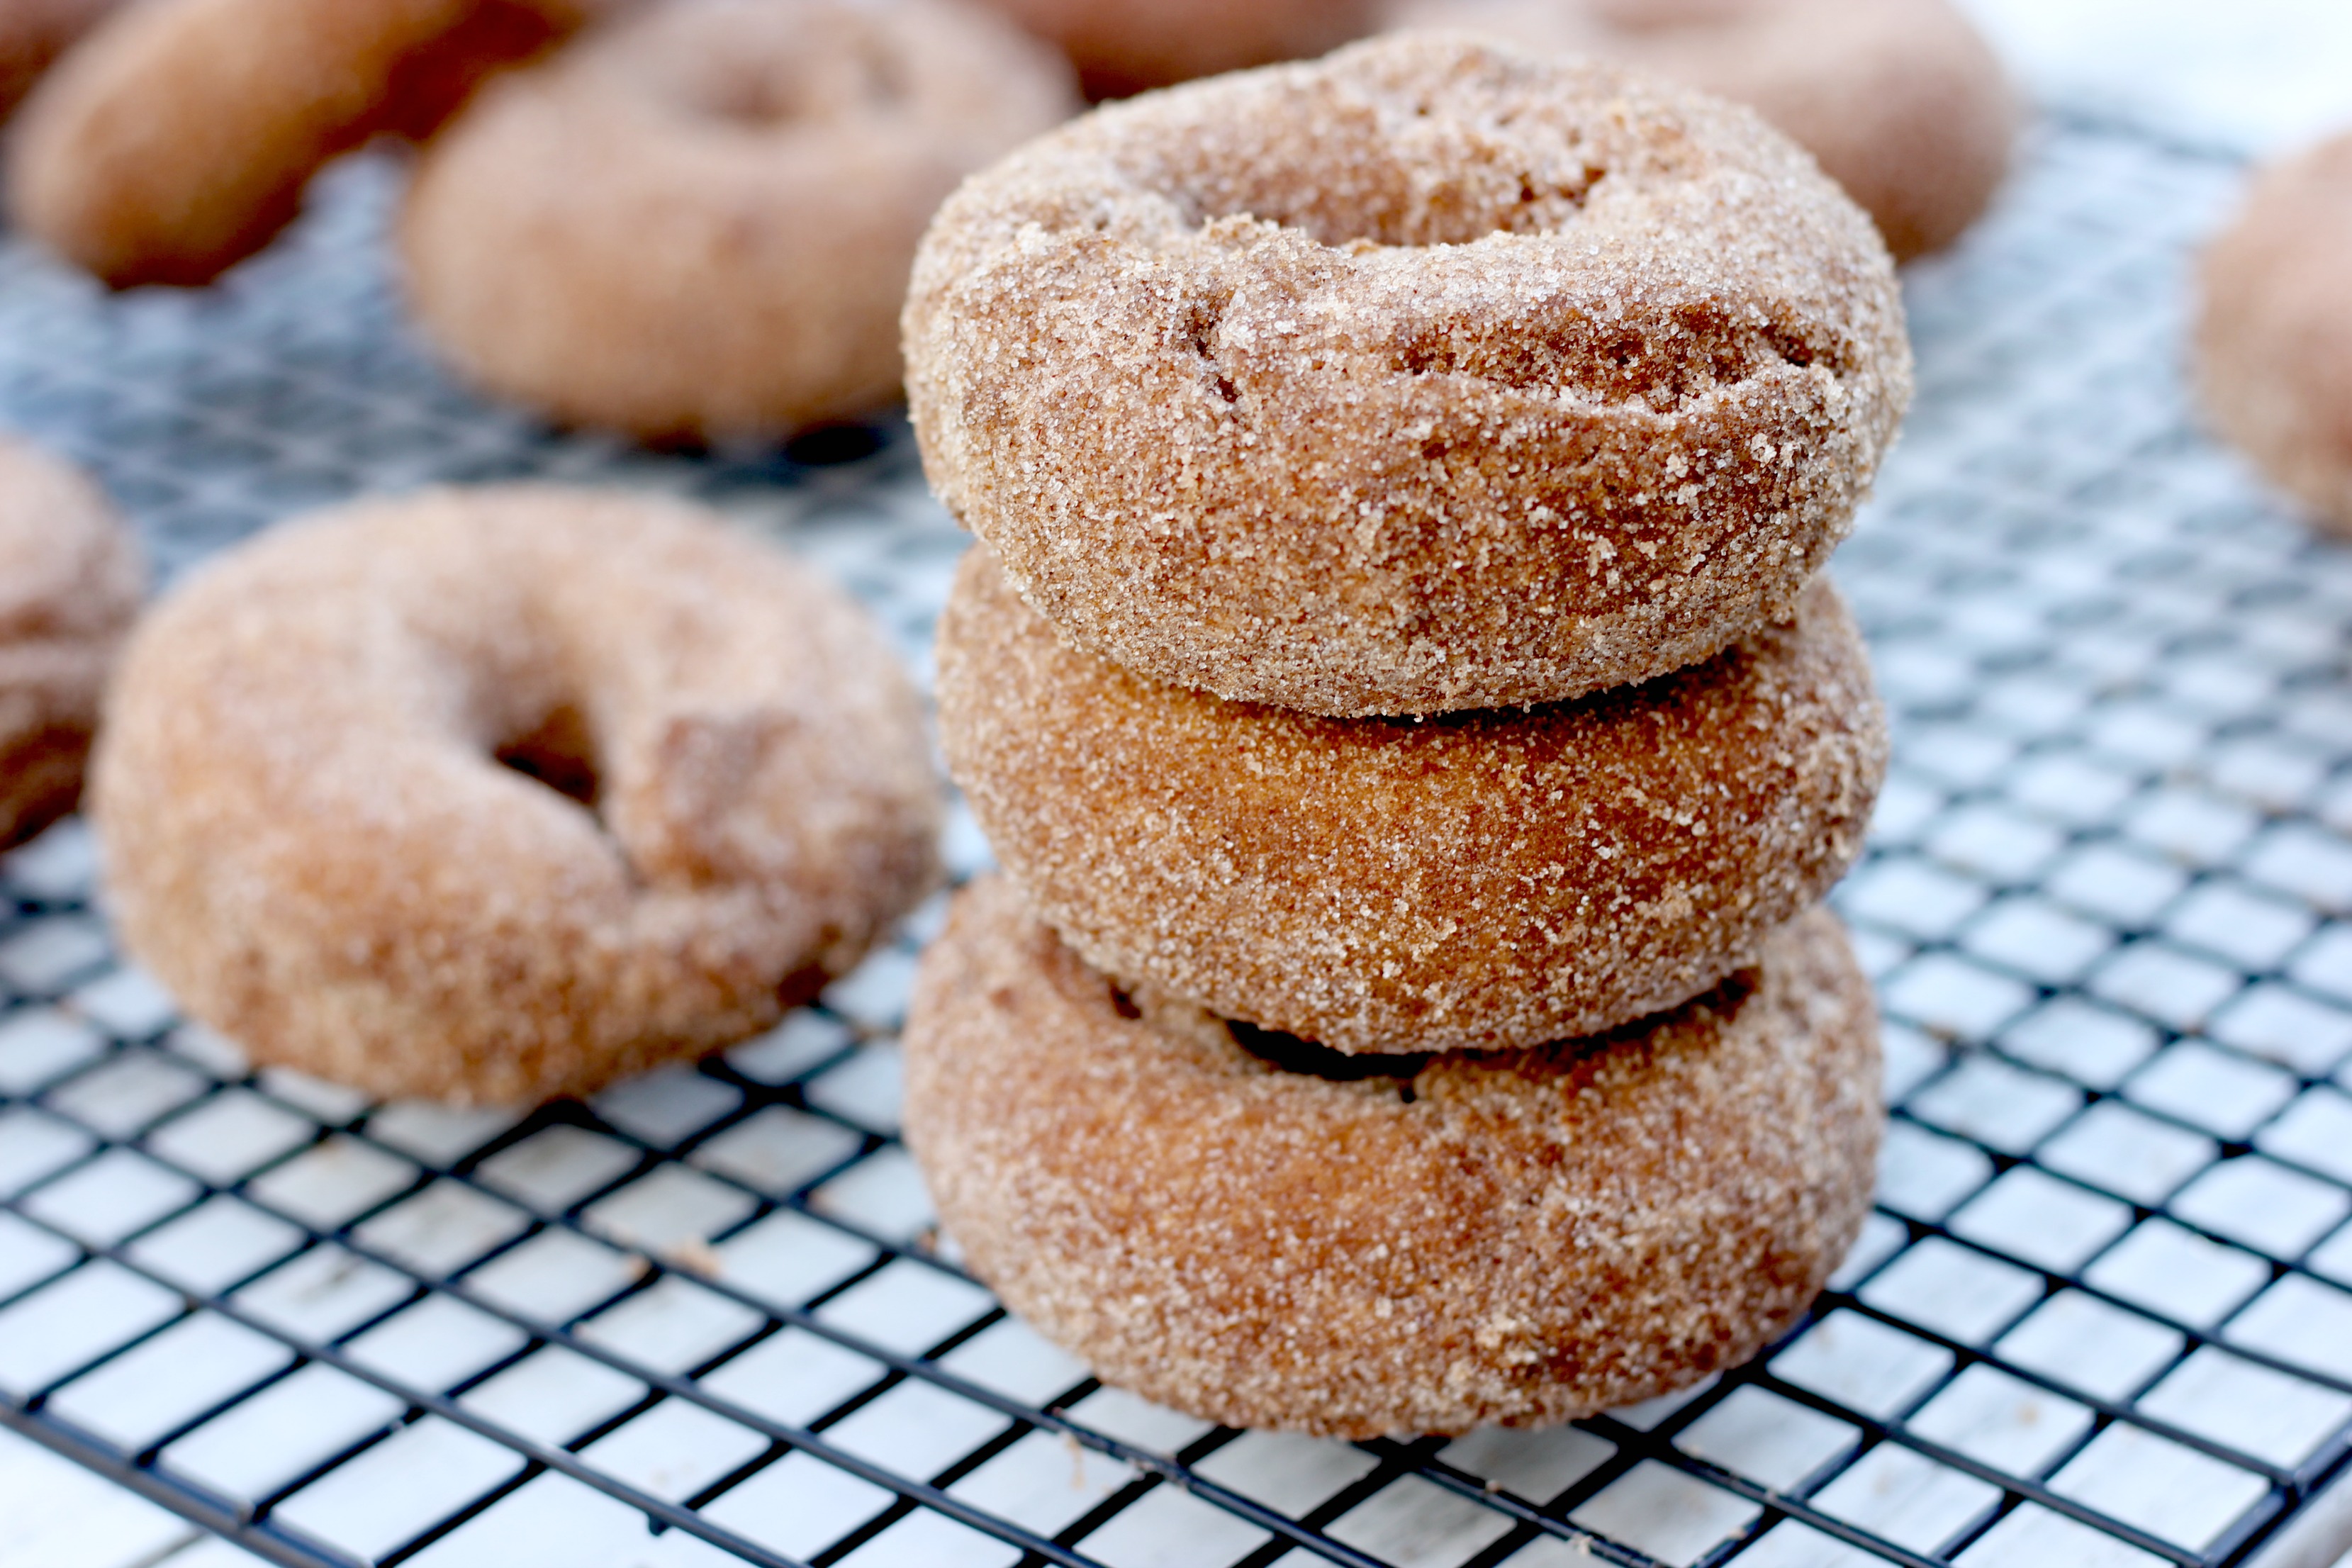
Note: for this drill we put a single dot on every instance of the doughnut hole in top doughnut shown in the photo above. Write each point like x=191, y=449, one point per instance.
x=1428, y=376
x=1902, y=101
x=2274, y=330
x=498, y=794
x=1121, y=47
x=177, y=139
x=698, y=223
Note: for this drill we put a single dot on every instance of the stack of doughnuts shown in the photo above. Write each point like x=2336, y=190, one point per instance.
x=1398, y=683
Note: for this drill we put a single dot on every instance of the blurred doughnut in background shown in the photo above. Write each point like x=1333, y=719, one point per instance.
x=698, y=223
x=176, y=139
x=2273, y=343
x=1902, y=101
x=34, y=33
x=1122, y=46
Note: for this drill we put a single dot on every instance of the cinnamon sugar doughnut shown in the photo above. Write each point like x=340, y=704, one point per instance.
x=2274, y=330
x=699, y=223
x=176, y=140
x=309, y=840
x=70, y=580
x=1125, y=45
x=1482, y=880
x=1427, y=376
x=1902, y=101
x=1426, y=1247
x=33, y=33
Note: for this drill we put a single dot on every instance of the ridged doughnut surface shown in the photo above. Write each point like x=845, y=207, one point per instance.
x=1519, y=1239
x=1125, y=45
x=699, y=222
x=2275, y=331
x=1902, y=101
x=719, y=792
x=1427, y=376
x=177, y=139
x=70, y=580
x=1481, y=880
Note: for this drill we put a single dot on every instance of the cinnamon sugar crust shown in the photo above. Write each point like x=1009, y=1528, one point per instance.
x=71, y=577
x=717, y=791
x=1904, y=101
x=1481, y=880
x=1519, y=1239
x=2274, y=330
x=1427, y=376
x=176, y=140
x=698, y=223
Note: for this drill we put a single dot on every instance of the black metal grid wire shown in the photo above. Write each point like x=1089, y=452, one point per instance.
x=2100, y=1315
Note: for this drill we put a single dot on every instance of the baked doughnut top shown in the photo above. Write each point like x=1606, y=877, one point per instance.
x=1426, y=376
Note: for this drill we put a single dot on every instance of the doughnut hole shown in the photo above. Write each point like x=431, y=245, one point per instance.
x=558, y=751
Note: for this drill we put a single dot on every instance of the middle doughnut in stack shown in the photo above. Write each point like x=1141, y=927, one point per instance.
x=1399, y=637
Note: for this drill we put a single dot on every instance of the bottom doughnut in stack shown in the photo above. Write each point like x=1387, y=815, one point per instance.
x=1265, y=1232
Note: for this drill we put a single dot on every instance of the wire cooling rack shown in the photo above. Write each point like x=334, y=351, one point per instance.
x=2099, y=1318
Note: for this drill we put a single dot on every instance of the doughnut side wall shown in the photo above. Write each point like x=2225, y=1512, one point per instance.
x=1401, y=383
x=1487, y=880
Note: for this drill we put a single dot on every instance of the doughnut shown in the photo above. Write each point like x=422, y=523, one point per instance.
x=1278, y=1237
x=1487, y=880
x=1122, y=46
x=699, y=223
x=2274, y=331
x=717, y=791
x=177, y=139
x=1902, y=101
x=1426, y=376
x=70, y=580
x=33, y=33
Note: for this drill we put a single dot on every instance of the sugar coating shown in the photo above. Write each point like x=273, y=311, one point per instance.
x=699, y=222
x=308, y=839
x=1125, y=45
x=71, y=577
x=2274, y=330
x=176, y=139
x=1902, y=101
x=1483, y=880
x=1428, y=376
x=1518, y=1239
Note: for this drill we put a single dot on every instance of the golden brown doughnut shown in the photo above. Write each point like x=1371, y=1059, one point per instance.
x=2274, y=330
x=1424, y=1248
x=700, y=222
x=33, y=33
x=1427, y=376
x=309, y=840
x=1902, y=101
x=70, y=580
x=1481, y=880
x=1125, y=45
x=178, y=138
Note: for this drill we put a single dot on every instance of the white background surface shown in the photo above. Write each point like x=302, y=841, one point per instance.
x=2258, y=75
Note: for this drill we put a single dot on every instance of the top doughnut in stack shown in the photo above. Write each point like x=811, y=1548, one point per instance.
x=1403, y=482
